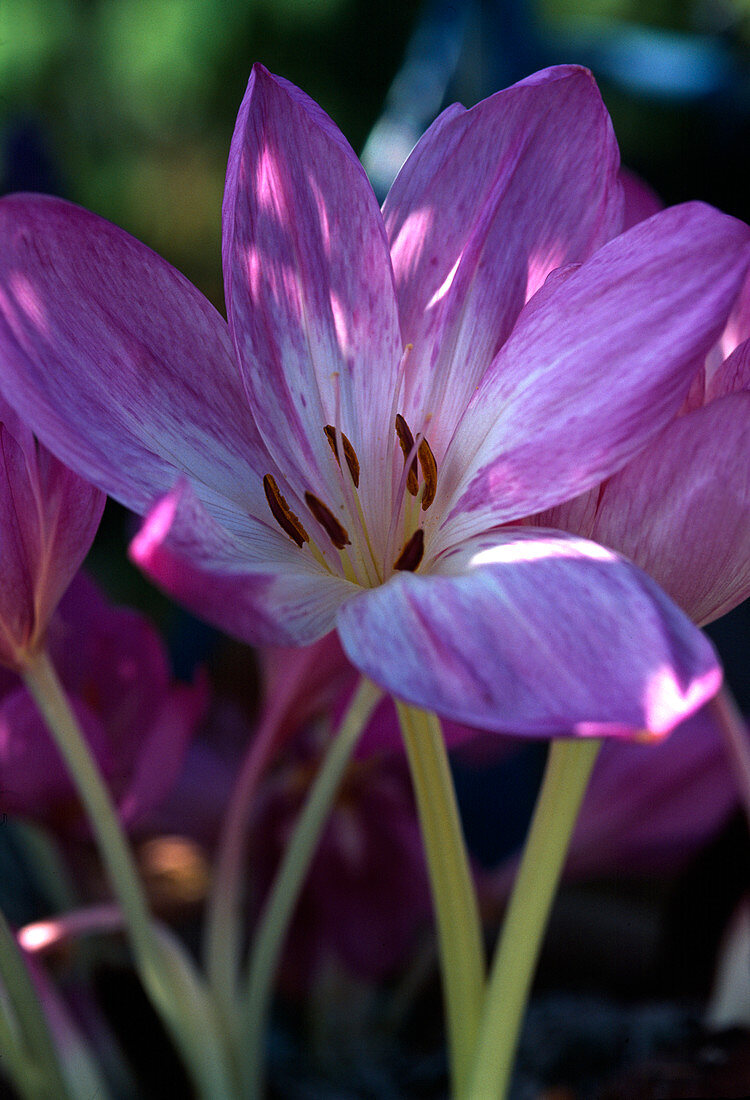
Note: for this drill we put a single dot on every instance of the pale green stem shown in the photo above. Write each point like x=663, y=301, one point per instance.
x=290, y=877
x=565, y=779
x=77, y=1062
x=39, y=1047
x=223, y=928
x=459, y=929
x=15, y=1065
x=168, y=976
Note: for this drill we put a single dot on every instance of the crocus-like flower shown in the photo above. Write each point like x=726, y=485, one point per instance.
x=138, y=722
x=48, y=519
x=392, y=395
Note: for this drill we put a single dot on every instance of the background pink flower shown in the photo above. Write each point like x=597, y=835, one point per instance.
x=48, y=519
x=137, y=719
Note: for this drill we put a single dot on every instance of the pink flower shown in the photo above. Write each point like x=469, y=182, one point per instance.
x=137, y=720
x=488, y=343
x=48, y=519
x=681, y=508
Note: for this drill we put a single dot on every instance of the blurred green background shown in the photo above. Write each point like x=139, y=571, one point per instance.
x=135, y=99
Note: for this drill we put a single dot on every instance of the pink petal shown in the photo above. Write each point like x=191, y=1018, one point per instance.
x=162, y=750
x=309, y=291
x=535, y=632
x=649, y=808
x=118, y=364
x=48, y=519
x=594, y=368
x=35, y=781
x=290, y=601
x=731, y=376
x=681, y=509
x=489, y=202
x=641, y=201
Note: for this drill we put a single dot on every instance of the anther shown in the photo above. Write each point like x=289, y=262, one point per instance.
x=325, y=517
x=406, y=439
x=429, y=473
x=349, y=453
x=412, y=553
x=282, y=513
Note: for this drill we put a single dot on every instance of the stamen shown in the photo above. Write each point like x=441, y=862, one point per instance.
x=412, y=553
x=406, y=439
x=336, y=532
x=429, y=473
x=349, y=453
x=282, y=513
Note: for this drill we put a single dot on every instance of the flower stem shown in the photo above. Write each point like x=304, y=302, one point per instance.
x=454, y=898
x=223, y=937
x=165, y=970
x=566, y=776
x=43, y=1064
x=279, y=907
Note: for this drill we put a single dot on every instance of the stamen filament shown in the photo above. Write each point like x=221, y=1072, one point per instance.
x=401, y=500
x=355, y=508
x=319, y=557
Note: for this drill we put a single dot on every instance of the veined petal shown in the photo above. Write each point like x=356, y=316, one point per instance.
x=48, y=519
x=289, y=601
x=489, y=202
x=121, y=367
x=310, y=292
x=731, y=376
x=535, y=632
x=594, y=368
x=681, y=509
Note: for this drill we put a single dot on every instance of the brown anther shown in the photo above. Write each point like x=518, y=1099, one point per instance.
x=325, y=517
x=406, y=439
x=412, y=553
x=282, y=513
x=349, y=453
x=429, y=473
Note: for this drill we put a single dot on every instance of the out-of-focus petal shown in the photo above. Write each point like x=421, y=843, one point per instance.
x=310, y=291
x=681, y=509
x=593, y=369
x=121, y=367
x=162, y=752
x=641, y=201
x=489, y=202
x=48, y=519
x=34, y=781
x=292, y=601
x=649, y=808
x=536, y=632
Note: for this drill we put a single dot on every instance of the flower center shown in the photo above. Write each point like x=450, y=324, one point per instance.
x=416, y=492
